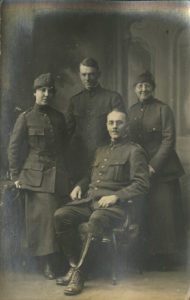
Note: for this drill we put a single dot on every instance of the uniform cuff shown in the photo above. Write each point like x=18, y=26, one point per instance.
x=14, y=177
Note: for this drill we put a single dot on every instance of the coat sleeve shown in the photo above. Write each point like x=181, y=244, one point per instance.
x=70, y=119
x=168, y=138
x=139, y=176
x=17, y=140
x=64, y=131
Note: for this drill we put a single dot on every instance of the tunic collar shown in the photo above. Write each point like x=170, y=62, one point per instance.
x=41, y=108
x=119, y=142
x=146, y=101
x=94, y=90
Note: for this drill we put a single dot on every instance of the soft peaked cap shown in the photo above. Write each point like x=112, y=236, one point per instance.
x=146, y=77
x=44, y=80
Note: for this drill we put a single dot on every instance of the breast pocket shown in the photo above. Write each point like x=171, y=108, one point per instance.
x=154, y=129
x=118, y=170
x=36, y=131
x=153, y=137
x=36, y=137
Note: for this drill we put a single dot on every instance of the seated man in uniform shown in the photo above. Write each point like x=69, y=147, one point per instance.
x=119, y=174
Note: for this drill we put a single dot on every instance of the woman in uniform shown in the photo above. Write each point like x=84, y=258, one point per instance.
x=152, y=125
x=41, y=172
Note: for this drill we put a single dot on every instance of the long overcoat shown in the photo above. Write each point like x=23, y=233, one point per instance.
x=152, y=125
x=38, y=159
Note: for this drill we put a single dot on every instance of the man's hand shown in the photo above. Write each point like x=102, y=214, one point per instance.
x=76, y=193
x=151, y=170
x=18, y=184
x=107, y=201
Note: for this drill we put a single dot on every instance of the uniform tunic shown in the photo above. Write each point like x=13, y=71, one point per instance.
x=37, y=158
x=119, y=169
x=86, y=122
x=151, y=124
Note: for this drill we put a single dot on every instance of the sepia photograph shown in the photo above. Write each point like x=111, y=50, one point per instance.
x=94, y=150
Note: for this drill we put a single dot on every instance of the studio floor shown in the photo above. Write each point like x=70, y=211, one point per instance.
x=132, y=286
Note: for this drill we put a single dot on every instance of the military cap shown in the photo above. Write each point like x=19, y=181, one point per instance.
x=90, y=62
x=146, y=77
x=44, y=80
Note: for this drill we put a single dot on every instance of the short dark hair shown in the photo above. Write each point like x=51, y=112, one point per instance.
x=90, y=62
x=119, y=111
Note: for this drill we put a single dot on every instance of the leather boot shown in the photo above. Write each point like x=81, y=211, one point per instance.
x=48, y=268
x=48, y=272
x=71, y=251
x=64, y=280
x=76, y=284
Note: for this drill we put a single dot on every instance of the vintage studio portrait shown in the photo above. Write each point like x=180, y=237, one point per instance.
x=95, y=150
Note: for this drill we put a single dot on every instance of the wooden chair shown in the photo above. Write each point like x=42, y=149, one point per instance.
x=123, y=236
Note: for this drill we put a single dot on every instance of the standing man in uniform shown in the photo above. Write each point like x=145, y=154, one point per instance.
x=119, y=174
x=86, y=117
x=42, y=173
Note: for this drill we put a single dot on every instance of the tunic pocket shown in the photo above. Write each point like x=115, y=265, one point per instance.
x=36, y=131
x=155, y=129
x=153, y=137
x=37, y=137
x=32, y=174
x=117, y=170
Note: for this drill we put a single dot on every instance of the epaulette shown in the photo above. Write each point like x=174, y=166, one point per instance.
x=79, y=93
x=135, y=104
x=27, y=111
x=135, y=144
x=160, y=102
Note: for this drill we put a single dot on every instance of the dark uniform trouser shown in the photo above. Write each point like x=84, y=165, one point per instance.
x=68, y=218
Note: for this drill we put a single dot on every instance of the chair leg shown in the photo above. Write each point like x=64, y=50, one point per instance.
x=114, y=259
x=140, y=255
x=111, y=248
